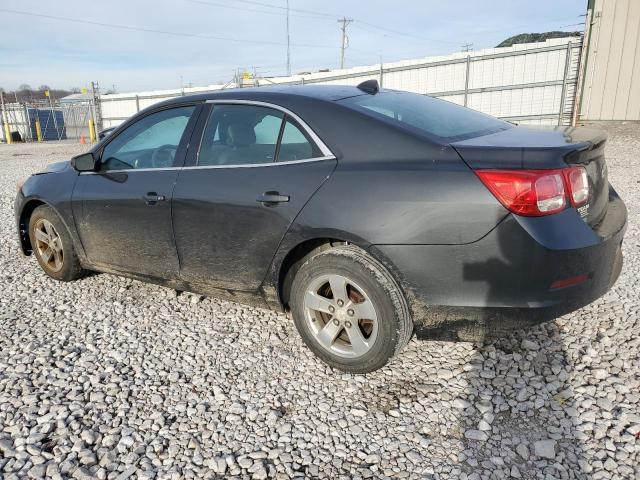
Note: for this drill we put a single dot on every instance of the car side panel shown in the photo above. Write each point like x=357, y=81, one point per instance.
x=415, y=203
x=119, y=229
x=55, y=190
x=224, y=236
x=437, y=201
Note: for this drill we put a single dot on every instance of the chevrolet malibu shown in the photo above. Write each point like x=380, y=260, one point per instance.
x=368, y=214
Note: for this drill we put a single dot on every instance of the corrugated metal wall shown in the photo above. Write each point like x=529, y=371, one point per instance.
x=611, y=88
x=527, y=83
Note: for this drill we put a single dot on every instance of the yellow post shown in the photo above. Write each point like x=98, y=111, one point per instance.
x=38, y=130
x=4, y=118
x=92, y=131
x=7, y=133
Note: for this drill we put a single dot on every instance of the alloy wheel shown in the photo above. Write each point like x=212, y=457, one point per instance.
x=341, y=316
x=49, y=245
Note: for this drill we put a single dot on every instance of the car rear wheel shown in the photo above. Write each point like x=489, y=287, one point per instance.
x=52, y=245
x=349, y=310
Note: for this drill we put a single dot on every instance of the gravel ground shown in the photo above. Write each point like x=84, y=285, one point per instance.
x=112, y=378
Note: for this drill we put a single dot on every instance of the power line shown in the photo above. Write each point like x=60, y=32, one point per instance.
x=357, y=21
x=288, y=43
x=246, y=9
x=280, y=7
x=233, y=7
x=327, y=16
x=397, y=32
x=423, y=43
x=151, y=30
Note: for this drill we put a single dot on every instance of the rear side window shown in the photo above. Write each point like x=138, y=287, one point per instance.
x=240, y=135
x=295, y=145
x=426, y=115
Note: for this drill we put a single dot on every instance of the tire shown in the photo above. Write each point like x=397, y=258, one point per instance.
x=370, y=326
x=60, y=260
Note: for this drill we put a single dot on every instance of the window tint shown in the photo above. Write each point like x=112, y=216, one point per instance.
x=151, y=142
x=295, y=145
x=425, y=114
x=240, y=134
x=268, y=129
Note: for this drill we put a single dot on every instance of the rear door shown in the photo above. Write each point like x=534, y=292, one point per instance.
x=256, y=167
x=123, y=211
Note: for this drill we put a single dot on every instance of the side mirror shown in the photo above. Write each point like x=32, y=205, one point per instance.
x=84, y=163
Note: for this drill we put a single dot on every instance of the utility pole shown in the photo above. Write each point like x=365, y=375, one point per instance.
x=345, y=41
x=288, y=45
x=97, y=107
x=467, y=47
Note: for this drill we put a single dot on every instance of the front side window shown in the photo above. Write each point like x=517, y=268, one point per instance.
x=422, y=114
x=240, y=135
x=151, y=142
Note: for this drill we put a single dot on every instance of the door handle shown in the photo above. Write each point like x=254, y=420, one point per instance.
x=151, y=198
x=269, y=199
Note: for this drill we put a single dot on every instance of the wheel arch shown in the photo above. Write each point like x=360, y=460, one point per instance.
x=23, y=223
x=28, y=207
x=292, y=261
x=295, y=256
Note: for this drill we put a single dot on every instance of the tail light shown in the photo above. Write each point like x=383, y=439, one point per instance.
x=578, y=183
x=534, y=193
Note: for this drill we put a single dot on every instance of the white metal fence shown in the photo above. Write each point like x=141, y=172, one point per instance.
x=528, y=83
x=532, y=83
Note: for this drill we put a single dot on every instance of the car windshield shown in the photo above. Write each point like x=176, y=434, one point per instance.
x=422, y=114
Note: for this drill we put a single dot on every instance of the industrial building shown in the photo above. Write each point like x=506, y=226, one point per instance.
x=610, y=84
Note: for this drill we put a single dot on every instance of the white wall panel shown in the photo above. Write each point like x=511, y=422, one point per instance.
x=612, y=77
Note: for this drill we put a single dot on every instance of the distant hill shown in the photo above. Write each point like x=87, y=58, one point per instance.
x=535, y=37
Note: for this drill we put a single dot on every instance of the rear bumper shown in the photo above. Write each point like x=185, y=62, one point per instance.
x=503, y=281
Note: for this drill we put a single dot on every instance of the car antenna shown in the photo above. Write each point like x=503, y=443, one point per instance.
x=370, y=86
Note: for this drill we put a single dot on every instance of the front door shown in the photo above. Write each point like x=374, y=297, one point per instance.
x=255, y=170
x=123, y=210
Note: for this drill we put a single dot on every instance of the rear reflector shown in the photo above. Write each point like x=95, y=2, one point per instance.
x=534, y=193
x=569, y=282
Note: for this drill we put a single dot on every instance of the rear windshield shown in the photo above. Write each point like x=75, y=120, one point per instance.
x=437, y=118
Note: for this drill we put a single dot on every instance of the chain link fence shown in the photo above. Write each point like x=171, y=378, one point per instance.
x=54, y=120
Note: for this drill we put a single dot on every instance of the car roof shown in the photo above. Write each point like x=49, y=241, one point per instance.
x=329, y=93
x=366, y=137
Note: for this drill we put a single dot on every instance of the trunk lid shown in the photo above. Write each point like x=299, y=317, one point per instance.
x=541, y=149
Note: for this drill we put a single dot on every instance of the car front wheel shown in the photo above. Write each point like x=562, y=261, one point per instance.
x=52, y=245
x=349, y=310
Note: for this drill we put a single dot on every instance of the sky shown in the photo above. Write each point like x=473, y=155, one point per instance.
x=203, y=42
